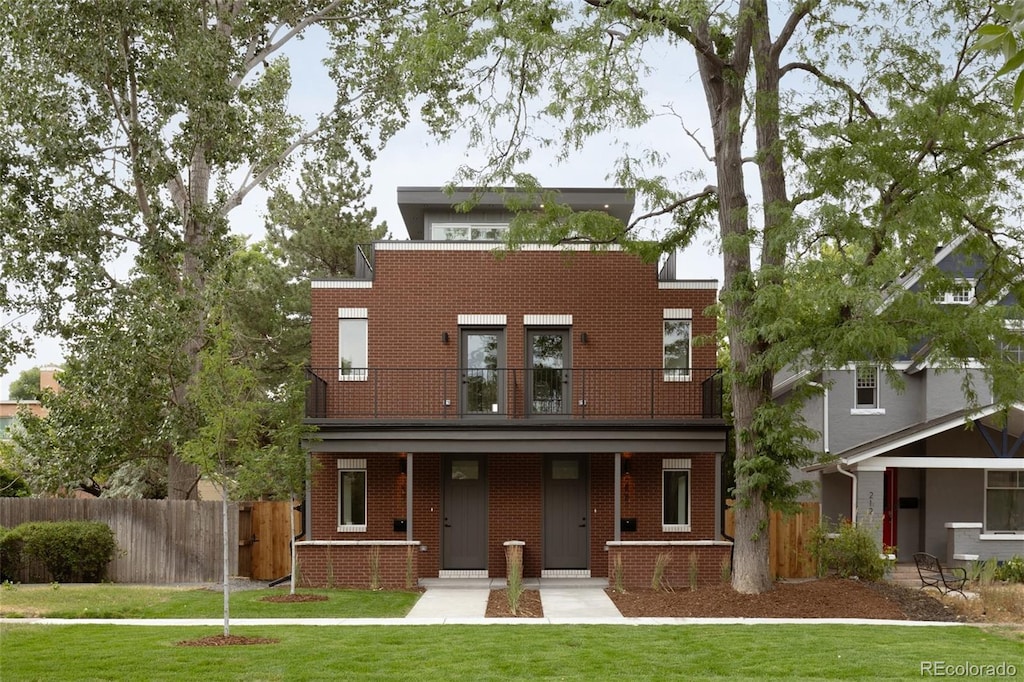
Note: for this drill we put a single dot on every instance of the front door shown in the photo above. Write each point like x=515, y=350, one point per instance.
x=566, y=521
x=464, y=528
x=483, y=353
x=547, y=361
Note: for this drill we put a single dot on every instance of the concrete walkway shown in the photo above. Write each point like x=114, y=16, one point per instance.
x=564, y=600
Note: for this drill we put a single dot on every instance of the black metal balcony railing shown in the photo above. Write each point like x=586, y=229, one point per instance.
x=453, y=393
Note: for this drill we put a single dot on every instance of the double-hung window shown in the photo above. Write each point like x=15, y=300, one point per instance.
x=351, y=495
x=352, y=344
x=867, y=388
x=675, y=494
x=677, y=327
x=1004, y=501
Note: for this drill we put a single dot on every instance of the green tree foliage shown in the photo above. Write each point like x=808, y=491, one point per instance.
x=840, y=145
x=1006, y=36
x=26, y=386
x=129, y=133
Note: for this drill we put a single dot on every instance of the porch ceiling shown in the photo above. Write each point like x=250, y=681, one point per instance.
x=707, y=435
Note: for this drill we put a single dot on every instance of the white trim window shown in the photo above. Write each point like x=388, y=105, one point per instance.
x=675, y=495
x=351, y=495
x=865, y=395
x=353, y=344
x=468, y=232
x=962, y=293
x=1004, y=501
x=677, y=330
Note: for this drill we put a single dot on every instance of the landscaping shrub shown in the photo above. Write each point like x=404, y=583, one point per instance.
x=10, y=554
x=72, y=551
x=848, y=551
x=1011, y=570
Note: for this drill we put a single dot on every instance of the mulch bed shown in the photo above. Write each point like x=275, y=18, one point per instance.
x=529, y=605
x=294, y=598
x=825, y=598
x=227, y=640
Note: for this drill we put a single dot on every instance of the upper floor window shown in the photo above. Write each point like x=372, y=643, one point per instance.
x=1014, y=350
x=867, y=388
x=1004, y=501
x=677, y=327
x=472, y=232
x=352, y=344
x=962, y=293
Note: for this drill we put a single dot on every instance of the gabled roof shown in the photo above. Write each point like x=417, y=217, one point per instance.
x=414, y=202
x=918, y=432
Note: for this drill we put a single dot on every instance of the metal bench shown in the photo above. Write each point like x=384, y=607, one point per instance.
x=932, y=574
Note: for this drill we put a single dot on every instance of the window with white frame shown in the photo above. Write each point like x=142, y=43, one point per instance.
x=867, y=388
x=677, y=327
x=962, y=293
x=675, y=495
x=351, y=495
x=1004, y=501
x=469, y=232
x=1013, y=350
x=353, y=346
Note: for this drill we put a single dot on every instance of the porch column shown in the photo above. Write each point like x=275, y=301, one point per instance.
x=869, y=502
x=719, y=509
x=408, y=496
x=618, y=496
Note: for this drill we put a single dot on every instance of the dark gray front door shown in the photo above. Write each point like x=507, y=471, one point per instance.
x=566, y=517
x=547, y=360
x=464, y=529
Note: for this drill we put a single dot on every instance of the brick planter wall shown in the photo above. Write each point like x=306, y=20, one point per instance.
x=639, y=558
x=347, y=564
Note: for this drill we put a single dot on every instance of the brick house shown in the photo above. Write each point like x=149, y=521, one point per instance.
x=557, y=396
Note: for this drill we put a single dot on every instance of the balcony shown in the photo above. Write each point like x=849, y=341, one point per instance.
x=513, y=393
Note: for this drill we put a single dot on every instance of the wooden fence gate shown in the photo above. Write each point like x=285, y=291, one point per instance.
x=264, y=539
x=789, y=555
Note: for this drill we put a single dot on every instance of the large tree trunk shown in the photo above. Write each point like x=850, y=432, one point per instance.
x=723, y=77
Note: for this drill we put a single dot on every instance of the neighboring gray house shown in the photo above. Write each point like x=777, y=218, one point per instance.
x=917, y=466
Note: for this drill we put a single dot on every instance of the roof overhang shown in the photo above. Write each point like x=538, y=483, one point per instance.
x=707, y=435
x=888, y=443
x=415, y=202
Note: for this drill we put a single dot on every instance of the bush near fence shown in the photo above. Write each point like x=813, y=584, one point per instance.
x=160, y=541
x=66, y=551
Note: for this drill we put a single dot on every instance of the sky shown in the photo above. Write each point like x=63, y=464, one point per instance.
x=414, y=158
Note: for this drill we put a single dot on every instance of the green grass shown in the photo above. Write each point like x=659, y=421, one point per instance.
x=126, y=601
x=500, y=652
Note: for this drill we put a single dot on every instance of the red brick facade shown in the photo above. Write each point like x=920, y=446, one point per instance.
x=416, y=298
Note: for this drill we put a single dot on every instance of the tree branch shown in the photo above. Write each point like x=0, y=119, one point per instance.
x=799, y=12
x=708, y=191
x=831, y=82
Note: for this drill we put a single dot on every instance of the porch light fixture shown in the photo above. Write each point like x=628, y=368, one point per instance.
x=401, y=464
x=444, y=337
x=584, y=338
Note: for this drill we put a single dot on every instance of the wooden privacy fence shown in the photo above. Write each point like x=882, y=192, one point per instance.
x=160, y=541
x=788, y=540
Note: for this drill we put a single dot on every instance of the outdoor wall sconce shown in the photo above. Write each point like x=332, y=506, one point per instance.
x=584, y=338
x=401, y=464
x=444, y=337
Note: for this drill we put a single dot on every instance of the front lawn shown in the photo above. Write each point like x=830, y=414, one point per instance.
x=502, y=652
x=131, y=601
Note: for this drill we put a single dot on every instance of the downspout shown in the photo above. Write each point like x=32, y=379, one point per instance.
x=853, y=494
